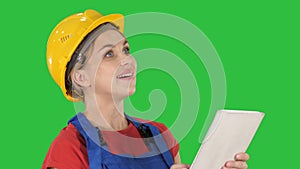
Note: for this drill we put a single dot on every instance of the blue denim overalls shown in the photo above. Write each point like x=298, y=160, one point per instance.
x=159, y=156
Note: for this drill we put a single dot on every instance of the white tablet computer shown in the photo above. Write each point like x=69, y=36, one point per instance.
x=230, y=132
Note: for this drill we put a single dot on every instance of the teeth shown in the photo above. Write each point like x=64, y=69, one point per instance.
x=125, y=75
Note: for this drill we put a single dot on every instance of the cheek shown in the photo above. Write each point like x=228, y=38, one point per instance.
x=133, y=61
x=104, y=78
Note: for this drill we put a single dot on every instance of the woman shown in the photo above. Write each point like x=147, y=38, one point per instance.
x=89, y=58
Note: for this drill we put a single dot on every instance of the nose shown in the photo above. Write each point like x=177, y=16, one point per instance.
x=126, y=59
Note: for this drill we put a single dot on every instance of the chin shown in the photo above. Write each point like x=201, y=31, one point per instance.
x=131, y=91
x=124, y=95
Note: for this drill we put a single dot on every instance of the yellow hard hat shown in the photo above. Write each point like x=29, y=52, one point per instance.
x=67, y=35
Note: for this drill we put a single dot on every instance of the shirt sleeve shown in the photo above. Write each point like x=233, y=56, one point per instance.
x=67, y=151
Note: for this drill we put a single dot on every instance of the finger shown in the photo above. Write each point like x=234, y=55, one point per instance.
x=241, y=156
x=180, y=166
x=236, y=164
x=227, y=168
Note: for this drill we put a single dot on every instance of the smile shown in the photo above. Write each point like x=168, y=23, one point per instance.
x=127, y=75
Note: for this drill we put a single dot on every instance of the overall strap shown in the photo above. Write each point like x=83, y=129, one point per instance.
x=90, y=134
x=157, y=137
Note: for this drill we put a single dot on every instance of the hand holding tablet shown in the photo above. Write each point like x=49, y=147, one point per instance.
x=230, y=133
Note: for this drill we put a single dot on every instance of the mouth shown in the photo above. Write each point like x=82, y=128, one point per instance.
x=126, y=76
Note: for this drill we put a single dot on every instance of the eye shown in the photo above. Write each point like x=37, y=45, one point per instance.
x=109, y=54
x=126, y=50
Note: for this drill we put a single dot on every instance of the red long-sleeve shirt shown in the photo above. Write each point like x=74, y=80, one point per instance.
x=68, y=150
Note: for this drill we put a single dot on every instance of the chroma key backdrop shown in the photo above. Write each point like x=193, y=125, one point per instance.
x=193, y=57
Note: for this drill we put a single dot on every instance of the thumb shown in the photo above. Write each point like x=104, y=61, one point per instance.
x=180, y=166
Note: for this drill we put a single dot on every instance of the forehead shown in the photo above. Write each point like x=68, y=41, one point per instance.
x=110, y=37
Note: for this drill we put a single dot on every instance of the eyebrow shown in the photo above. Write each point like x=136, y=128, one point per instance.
x=125, y=42
x=111, y=46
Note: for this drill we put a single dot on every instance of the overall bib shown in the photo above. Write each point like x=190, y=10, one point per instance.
x=158, y=157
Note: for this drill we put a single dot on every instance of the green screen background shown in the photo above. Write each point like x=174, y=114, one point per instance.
x=257, y=41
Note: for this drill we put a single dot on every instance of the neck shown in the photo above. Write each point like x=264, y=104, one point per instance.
x=106, y=113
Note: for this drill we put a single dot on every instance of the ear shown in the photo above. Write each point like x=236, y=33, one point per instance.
x=81, y=78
